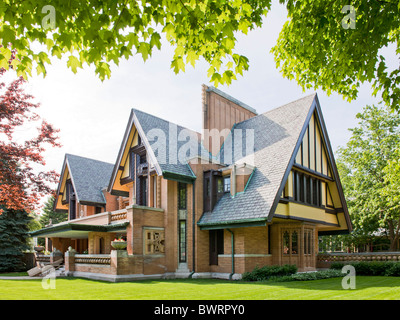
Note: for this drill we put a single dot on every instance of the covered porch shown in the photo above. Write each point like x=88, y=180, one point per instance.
x=88, y=235
x=86, y=244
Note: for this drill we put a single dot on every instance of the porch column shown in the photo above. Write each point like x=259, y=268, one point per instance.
x=69, y=262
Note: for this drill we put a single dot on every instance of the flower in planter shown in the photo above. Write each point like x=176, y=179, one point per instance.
x=119, y=243
x=120, y=238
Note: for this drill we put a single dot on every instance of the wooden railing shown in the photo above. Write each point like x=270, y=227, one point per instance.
x=93, y=259
x=118, y=215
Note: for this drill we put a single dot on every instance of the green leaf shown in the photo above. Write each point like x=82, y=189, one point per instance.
x=178, y=65
x=73, y=63
x=144, y=49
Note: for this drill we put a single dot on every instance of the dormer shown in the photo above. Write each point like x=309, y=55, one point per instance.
x=229, y=180
x=239, y=176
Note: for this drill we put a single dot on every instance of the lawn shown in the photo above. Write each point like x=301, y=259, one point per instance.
x=202, y=289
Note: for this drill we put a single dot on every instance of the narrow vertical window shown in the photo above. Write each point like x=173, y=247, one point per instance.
x=182, y=194
x=182, y=240
x=286, y=242
x=295, y=243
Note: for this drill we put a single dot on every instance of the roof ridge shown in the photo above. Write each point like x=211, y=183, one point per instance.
x=86, y=158
x=276, y=108
x=152, y=115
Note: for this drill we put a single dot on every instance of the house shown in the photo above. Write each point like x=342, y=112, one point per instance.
x=252, y=189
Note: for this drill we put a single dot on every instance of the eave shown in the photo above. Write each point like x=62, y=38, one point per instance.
x=75, y=230
x=258, y=222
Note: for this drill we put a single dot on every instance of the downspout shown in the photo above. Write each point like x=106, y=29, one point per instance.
x=193, y=229
x=233, y=253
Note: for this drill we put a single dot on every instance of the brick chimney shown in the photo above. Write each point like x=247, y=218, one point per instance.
x=220, y=113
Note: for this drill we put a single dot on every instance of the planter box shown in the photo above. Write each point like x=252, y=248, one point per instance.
x=119, y=245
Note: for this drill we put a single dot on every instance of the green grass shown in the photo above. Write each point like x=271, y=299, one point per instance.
x=14, y=274
x=210, y=289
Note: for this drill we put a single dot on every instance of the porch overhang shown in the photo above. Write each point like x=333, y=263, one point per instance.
x=257, y=222
x=76, y=231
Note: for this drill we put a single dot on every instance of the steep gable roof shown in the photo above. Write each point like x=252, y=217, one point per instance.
x=88, y=177
x=167, y=158
x=164, y=155
x=276, y=134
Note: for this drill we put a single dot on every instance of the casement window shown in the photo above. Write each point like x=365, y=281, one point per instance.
x=290, y=242
x=307, y=189
x=220, y=186
x=182, y=205
x=227, y=184
x=182, y=240
x=141, y=197
x=308, y=241
x=182, y=196
x=154, y=242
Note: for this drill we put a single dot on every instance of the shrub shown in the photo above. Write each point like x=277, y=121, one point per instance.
x=266, y=272
x=371, y=268
x=394, y=270
x=324, y=274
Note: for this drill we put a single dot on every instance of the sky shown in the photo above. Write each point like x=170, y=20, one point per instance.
x=92, y=115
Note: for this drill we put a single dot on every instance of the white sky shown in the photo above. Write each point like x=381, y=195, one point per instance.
x=92, y=115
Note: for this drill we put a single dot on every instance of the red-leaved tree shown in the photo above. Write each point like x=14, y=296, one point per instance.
x=21, y=185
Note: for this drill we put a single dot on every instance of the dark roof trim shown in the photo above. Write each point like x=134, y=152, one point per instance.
x=119, y=193
x=94, y=204
x=133, y=120
x=328, y=147
x=281, y=216
x=59, y=185
x=314, y=107
x=120, y=153
x=178, y=177
x=258, y=222
x=291, y=161
x=146, y=143
x=313, y=172
x=77, y=227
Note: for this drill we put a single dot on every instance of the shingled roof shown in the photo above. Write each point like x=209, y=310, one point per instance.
x=88, y=177
x=168, y=158
x=276, y=134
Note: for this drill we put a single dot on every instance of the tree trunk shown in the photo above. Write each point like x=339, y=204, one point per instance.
x=394, y=235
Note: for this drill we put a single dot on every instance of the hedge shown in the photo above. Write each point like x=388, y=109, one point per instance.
x=373, y=268
x=266, y=272
x=288, y=273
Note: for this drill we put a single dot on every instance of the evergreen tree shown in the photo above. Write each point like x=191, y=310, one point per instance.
x=48, y=213
x=14, y=239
